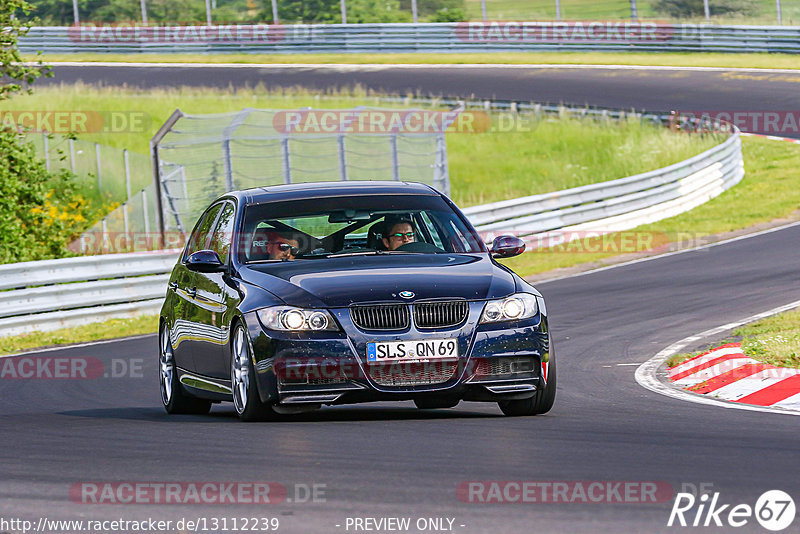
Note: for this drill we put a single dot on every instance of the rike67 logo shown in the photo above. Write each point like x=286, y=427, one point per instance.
x=774, y=510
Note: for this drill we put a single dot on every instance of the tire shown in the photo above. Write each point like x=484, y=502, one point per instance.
x=540, y=403
x=246, y=400
x=435, y=404
x=173, y=397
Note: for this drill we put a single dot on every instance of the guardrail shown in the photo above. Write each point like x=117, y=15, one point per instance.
x=128, y=284
x=404, y=38
x=44, y=295
x=618, y=204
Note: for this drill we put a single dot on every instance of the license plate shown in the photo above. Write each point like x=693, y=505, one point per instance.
x=412, y=351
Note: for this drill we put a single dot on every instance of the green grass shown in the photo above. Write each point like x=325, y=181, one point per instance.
x=768, y=191
x=114, y=328
x=763, y=11
x=673, y=59
x=774, y=340
x=536, y=157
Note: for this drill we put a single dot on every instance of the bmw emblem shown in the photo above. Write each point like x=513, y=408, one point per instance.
x=407, y=294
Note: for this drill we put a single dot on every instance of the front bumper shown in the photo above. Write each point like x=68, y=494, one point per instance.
x=496, y=362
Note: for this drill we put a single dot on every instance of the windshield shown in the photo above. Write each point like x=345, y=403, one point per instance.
x=341, y=226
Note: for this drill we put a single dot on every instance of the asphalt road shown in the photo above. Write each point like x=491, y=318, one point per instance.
x=392, y=460
x=652, y=90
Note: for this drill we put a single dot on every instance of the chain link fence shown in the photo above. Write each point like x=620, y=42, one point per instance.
x=200, y=157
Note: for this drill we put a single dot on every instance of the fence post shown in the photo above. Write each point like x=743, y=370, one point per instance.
x=99, y=167
x=413, y=11
x=127, y=188
x=275, y=11
x=146, y=215
x=285, y=162
x=441, y=173
x=227, y=164
x=46, y=151
x=72, y=155
x=395, y=159
x=342, y=158
x=483, y=10
x=344, y=11
x=780, y=14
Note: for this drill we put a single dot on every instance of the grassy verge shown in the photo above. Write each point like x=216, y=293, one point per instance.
x=114, y=328
x=768, y=191
x=670, y=59
x=774, y=340
x=530, y=157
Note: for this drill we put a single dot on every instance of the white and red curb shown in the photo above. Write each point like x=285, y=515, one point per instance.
x=725, y=373
x=654, y=376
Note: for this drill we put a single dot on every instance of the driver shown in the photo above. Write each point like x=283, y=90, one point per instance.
x=274, y=245
x=281, y=246
x=401, y=231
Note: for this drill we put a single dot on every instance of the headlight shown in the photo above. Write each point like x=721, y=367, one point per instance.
x=289, y=319
x=514, y=308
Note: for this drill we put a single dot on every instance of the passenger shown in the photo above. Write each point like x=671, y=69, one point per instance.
x=401, y=231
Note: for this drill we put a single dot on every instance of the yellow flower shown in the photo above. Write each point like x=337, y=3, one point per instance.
x=36, y=211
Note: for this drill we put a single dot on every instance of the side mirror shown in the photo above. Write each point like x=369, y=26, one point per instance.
x=507, y=246
x=204, y=261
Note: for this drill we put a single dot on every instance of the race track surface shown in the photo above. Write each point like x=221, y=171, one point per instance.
x=393, y=460
x=652, y=90
x=380, y=460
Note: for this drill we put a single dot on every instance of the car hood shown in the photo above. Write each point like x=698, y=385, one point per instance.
x=340, y=282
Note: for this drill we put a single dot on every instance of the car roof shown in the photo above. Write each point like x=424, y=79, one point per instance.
x=308, y=190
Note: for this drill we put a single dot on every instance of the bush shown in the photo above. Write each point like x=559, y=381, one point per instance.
x=40, y=212
x=431, y=9
x=448, y=15
x=694, y=8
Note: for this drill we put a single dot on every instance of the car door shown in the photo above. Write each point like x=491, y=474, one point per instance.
x=188, y=329
x=215, y=301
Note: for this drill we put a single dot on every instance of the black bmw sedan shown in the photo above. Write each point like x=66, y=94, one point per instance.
x=287, y=298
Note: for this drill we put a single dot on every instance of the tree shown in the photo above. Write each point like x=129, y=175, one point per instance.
x=39, y=211
x=17, y=76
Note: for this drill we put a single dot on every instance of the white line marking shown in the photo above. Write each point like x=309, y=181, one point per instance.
x=78, y=345
x=646, y=373
x=674, y=253
x=627, y=364
x=411, y=66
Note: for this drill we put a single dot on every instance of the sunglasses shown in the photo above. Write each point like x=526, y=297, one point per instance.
x=401, y=235
x=286, y=247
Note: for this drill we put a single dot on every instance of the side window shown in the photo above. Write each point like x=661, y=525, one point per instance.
x=432, y=230
x=201, y=232
x=221, y=239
